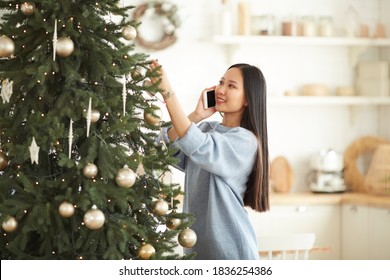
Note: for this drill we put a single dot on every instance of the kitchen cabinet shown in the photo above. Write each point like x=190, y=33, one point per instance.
x=355, y=232
x=379, y=238
x=322, y=220
x=365, y=232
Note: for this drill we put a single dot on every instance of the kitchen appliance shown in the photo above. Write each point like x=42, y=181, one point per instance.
x=326, y=174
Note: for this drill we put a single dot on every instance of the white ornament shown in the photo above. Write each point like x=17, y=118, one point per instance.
x=89, y=116
x=124, y=95
x=70, y=137
x=34, y=151
x=6, y=90
x=55, y=41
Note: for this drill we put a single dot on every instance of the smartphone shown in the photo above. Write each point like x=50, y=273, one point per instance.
x=209, y=99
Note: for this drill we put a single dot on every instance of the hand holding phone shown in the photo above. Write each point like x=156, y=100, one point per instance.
x=209, y=99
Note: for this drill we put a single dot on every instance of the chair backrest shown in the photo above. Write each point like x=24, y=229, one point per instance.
x=286, y=246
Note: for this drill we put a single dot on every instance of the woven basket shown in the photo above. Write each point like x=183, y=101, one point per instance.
x=378, y=176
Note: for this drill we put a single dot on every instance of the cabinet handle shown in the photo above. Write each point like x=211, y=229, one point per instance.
x=301, y=209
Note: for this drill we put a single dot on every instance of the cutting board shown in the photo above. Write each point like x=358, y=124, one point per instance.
x=282, y=177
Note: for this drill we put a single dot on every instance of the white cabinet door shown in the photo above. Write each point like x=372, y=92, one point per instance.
x=355, y=232
x=379, y=234
x=323, y=220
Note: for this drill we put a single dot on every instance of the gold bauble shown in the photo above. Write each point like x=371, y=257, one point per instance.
x=136, y=74
x=66, y=209
x=173, y=223
x=125, y=177
x=161, y=207
x=153, y=115
x=7, y=46
x=94, y=218
x=65, y=46
x=90, y=171
x=3, y=161
x=187, y=238
x=95, y=116
x=10, y=224
x=129, y=32
x=146, y=251
x=27, y=8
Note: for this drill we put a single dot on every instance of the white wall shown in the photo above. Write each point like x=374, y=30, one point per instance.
x=296, y=132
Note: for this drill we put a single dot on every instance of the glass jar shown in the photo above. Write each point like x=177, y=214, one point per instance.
x=325, y=27
x=309, y=26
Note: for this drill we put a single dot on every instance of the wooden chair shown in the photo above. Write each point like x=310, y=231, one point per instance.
x=286, y=246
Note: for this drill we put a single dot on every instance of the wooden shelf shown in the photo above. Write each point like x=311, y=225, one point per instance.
x=328, y=100
x=299, y=40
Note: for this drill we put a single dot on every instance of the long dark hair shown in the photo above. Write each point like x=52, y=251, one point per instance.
x=255, y=119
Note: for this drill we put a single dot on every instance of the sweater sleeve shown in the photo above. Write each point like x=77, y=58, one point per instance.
x=227, y=154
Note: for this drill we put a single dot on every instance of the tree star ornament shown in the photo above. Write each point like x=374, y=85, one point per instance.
x=6, y=90
x=34, y=152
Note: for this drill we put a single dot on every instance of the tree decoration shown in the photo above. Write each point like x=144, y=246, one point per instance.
x=187, y=238
x=167, y=12
x=27, y=8
x=129, y=32
x=152, y=115
x=89, y=116
x=55, y=40
x=124, y=95
x=34, y=151
x=125, y=177
x=90, y=171
x=7, y=46
x=173, y=223
x=161, y=207
x=3, y=161
x=146, y=251
x=66, y=209
x=70, y=138
x=94, y=218
x=10, y=224
x=6, y=90
x=64, y=46
x=95, y=116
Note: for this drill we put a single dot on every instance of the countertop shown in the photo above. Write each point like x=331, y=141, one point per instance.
x=310, y=198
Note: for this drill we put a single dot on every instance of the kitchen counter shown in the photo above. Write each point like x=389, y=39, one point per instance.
x=310, y=198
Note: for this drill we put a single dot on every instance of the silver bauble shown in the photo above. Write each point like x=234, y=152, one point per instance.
x=27, y=8
x=7, y=46
x=90, y=171
x=66, y=209
x=3, y=161
x=161, y=207
x=187, y=238
x=10, y=224
x=146, y=251
x=94, y=218
x=65, y=46
x=129, y=32
x=125, y=177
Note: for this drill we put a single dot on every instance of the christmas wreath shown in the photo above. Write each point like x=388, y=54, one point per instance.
x=167, y=12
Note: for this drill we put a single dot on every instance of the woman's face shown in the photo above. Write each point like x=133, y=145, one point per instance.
x=229, y=93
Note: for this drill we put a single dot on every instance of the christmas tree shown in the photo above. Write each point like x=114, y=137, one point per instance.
x=80, y=170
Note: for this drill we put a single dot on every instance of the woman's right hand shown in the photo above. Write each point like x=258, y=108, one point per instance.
x=200, y=112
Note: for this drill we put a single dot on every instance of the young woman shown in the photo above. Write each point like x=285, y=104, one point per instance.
x=226, y=164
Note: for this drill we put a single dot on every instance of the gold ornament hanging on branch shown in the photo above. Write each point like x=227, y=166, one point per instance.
x=7, y=46
x=166, y=13
x=27, y=8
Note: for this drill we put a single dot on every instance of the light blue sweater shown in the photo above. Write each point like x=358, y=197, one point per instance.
x=217, y=161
